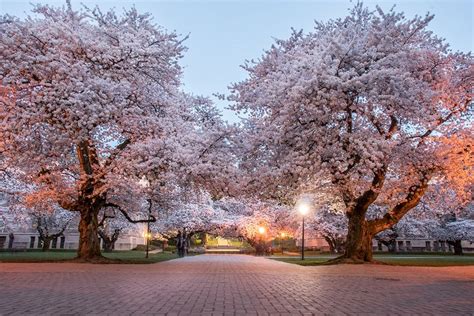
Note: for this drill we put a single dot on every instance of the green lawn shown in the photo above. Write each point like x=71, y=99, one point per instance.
x=426, y=260
x=64, y=256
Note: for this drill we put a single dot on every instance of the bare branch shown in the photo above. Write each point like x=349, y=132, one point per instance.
x=151, y=218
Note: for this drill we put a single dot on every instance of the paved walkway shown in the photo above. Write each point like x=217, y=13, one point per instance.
x=233, y=285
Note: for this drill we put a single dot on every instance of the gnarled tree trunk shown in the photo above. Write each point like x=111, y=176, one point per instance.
x=336, y=244
x=359, y=238
x=109, y=240
x=391, y=245
x=88, y=205
x=361, y=231
x=204, y=239
x=46, y=243
x=457, y=247
x=89, y=245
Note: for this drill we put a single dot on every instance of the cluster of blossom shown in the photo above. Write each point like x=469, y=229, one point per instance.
x=372, y=106
x=97, y=107
x=374, y=103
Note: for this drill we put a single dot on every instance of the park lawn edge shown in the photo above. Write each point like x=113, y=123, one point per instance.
x=154, y=258
x=313, y=262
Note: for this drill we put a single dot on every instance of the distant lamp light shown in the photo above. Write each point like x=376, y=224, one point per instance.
x=261, y=230
x=283, y=235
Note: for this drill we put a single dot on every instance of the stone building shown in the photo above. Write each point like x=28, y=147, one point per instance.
x=401, y=245
x=18, y=235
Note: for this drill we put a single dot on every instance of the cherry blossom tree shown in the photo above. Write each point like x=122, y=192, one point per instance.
x=454, y=232
x=51, y=226
x=190, y=217
x=96, y=105
x=331, y=225
x=258, y=223
x=446, y=218
x=373, y=102
x=111, y=225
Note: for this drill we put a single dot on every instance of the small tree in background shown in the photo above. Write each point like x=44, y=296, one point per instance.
x=51, y=226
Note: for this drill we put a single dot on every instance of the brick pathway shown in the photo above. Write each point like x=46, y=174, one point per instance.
x=233, y=285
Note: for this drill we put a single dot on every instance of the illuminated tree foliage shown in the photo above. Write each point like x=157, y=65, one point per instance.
x=374, y=103
x=95, y=105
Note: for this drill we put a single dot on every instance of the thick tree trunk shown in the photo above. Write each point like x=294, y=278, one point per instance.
x=391, y=245
x=204, y=239
x=457, y=247
x=89, y=245
x=340, y=245
x=108, y=245
x=358, y=246
x=108, y=241
x=332, y=248
x=46, y=244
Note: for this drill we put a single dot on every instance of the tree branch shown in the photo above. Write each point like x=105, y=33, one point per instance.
x=151, y=218
x=369, y=196
x=441, y=121
x=117, y=151
x=392, y=217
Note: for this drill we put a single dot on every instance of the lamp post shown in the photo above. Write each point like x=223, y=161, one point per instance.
x=282, y=235
x=261, y=231
x=148, y=234
x=303, y=208
x=145, y=184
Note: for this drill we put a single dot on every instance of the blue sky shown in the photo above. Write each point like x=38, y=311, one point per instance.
x=223, y=34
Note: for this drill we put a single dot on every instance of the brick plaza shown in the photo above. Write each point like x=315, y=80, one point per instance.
x=233, y=285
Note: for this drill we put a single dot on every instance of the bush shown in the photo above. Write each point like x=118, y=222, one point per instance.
x=170, y=248
x=197, y=250
x=143, y=247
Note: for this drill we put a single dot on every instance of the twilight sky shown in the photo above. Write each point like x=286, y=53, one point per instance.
x=223, y=34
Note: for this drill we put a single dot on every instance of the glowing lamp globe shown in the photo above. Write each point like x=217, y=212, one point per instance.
x=303, y=208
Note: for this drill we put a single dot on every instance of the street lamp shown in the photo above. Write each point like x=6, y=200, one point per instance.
x=260, y=245
x=148, y=235
x=303, y=208
x=144, y=183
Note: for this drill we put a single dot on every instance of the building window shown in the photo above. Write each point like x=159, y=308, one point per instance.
x=11, y=238
x=55, y=243
x=443, y=246
x=428, y=245
x=40, y=243
x=408, y=244
x=436, y=246
x=32, y=242
x=62, y=241
x=400, y=246
x=379, y=246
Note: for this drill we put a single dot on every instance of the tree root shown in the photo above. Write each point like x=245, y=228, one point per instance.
x=96, y=260
x=352, y=260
